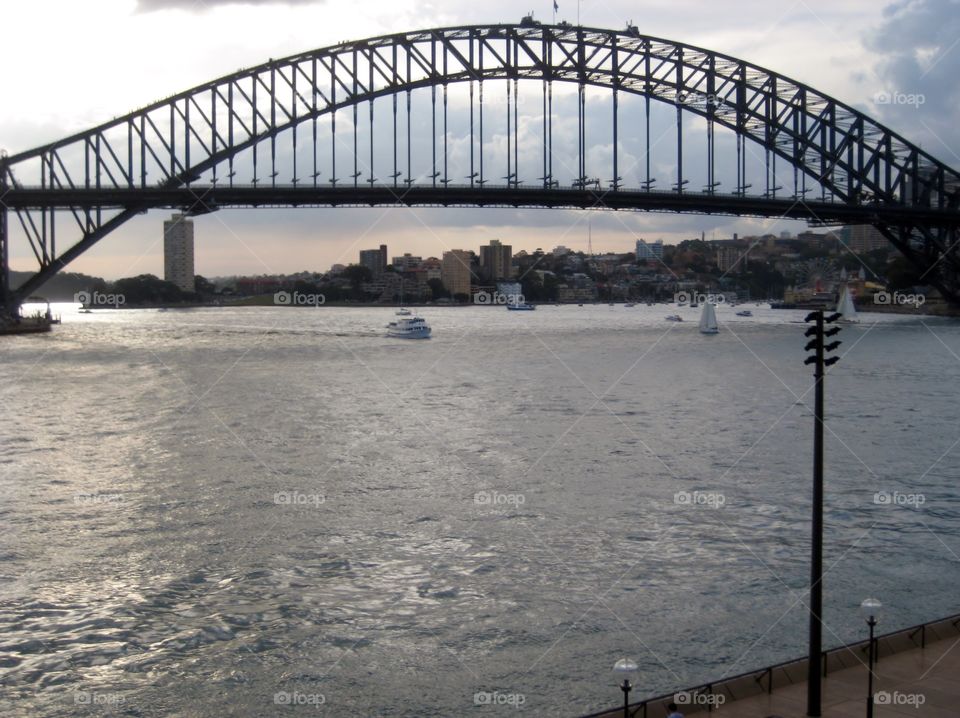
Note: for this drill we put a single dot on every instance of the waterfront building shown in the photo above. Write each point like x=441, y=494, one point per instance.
x=178, y=252
x=406, y=263
x=863, y=238
x=818, y=241
x=495, y=261
x=374, y=259
x=510, y=291
x=455, y=271
x=730, y=257
x=433, y=268
x=567, y=293
x=652, y=250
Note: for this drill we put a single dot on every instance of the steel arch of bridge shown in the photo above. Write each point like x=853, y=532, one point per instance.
x=180, y=152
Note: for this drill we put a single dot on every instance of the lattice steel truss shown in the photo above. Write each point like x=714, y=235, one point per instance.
x=182, y=152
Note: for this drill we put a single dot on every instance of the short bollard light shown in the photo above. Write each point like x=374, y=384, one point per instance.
x=870, y=608
x=625, y=666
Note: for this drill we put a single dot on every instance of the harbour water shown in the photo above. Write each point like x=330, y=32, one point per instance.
x=272, y=511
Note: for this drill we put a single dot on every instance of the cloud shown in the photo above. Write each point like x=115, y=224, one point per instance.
x=918, y=46
x=201, y=5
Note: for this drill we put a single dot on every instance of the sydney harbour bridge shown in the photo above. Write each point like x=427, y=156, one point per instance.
x=515, y=115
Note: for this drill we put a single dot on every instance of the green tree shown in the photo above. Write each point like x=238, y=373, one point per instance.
x=901, y=274
x=437, y=290
x=357, y=274
x=201, y=285
x=148, y=289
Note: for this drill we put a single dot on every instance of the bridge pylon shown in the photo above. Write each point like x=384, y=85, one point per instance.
x=5, y=289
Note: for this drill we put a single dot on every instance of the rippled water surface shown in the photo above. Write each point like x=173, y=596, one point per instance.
x=218, y=511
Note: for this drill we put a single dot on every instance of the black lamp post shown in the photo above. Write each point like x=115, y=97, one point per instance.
x=625, y=666
x=819, y=334
x=870, y=608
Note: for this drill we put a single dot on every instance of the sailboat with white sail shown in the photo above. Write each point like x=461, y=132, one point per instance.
x=401, y=310
x=846, y=307
x=708, y=319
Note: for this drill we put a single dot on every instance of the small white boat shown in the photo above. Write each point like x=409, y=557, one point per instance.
x=846, y=307
x=708, y=319
x=402, y=312
x=629, y=304
x=744, y=313
x=521, y=307
x=674, y=318
x=85, y=310
x=413, y=328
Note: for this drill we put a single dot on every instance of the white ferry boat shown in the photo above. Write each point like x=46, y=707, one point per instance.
x=412, y=328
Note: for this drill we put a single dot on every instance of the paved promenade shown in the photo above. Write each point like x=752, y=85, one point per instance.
x=918, y=674
x=923, y=682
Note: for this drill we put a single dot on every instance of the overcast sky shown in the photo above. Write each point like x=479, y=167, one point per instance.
x=77, y=64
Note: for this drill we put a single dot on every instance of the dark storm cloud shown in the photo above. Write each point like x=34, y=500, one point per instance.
x=201, y=5
x=918, y=42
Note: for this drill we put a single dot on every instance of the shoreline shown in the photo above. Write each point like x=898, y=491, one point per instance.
x=932, y=310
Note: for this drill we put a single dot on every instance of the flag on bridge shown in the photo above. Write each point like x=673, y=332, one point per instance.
x=555, y=6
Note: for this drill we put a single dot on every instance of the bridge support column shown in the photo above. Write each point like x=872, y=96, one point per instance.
x=5, y=293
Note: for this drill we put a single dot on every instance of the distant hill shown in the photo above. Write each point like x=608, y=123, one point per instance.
x=61, y=287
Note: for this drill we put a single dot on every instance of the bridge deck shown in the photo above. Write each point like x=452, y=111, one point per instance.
x=200, y=198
